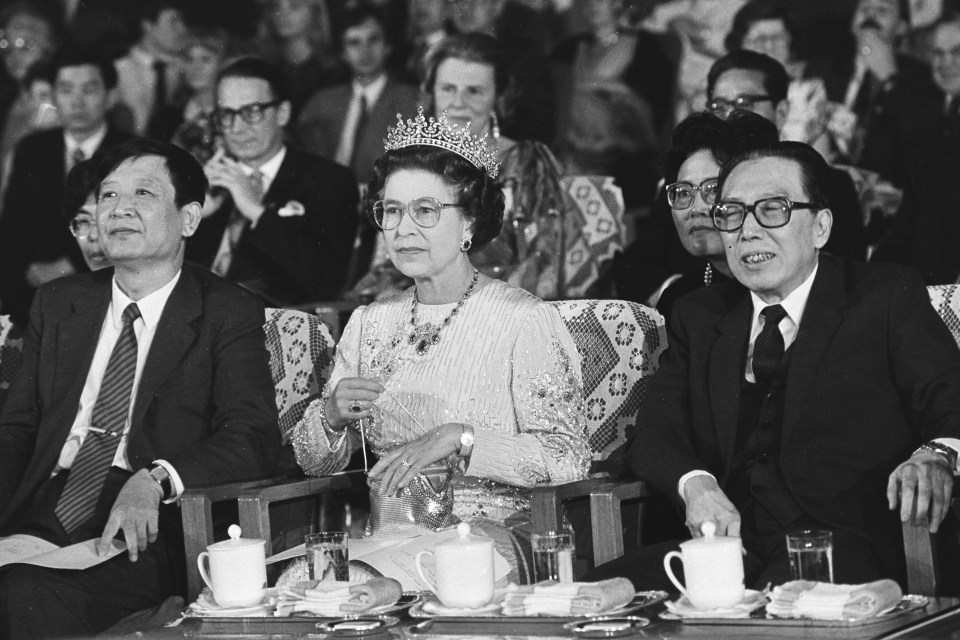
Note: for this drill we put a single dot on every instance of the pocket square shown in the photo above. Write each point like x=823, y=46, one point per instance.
x=291, y=209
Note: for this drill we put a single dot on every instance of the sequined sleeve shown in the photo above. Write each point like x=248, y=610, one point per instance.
x=320, y=450
x=550, y=443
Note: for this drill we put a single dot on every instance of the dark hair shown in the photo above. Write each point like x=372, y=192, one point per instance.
x=256, y=67
x=755, y=11
x=472, y=47
x=356, y=16
x=150, y=10
x=186, y=175
x=775, y=78
x=724, y=139
x=81, y=182
x=814, y=171
x=480, y=195
x=77, y=58
x=39, y=70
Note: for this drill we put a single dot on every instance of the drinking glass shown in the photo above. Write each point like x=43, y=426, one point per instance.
x=327, y=556
x=811, y=555
x=552, y=556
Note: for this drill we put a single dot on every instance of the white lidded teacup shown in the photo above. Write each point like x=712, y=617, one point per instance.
x=713, y=568
x=464, y=569
x=238, y=570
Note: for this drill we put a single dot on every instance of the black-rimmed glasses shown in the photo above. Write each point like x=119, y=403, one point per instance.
x=680, y=195
x=721, y=105
x=249, y=113
x=82, y=227
x=770, y=212
x=425, y=212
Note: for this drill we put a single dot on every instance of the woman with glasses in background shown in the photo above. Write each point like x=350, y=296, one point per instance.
x=467, y=389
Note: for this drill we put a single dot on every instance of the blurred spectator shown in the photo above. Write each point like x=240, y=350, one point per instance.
x=80, y=213
x=534, y=113
x=296, y=35
x=278, y=221
x=926, y=231
x=609, y=52
x=34, y=241
x=426, y=29
x=347, y=122
x=28, y=39
x=765, y=26
x=151, y=74
x=871, y=84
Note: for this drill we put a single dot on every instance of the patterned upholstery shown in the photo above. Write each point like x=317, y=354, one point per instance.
x=11, y=346
x=945, y=298
x=620, y=345
x=593, y=230
x=301, y=358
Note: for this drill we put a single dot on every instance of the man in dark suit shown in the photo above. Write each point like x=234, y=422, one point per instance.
x=35, y=244
x=348, y=122
x=136, y=383
x=281, y=222
x=811, y=393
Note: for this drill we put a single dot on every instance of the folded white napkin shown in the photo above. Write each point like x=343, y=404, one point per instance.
x=331, y=599
x=825, y=601
x=564, y=599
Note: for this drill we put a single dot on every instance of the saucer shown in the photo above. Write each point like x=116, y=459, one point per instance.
x=682, y=608
x=433, y=606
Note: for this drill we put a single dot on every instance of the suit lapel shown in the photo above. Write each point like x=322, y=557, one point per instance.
x=727, y=358
x=284, y=180
x=822, y=317
x=175, y=334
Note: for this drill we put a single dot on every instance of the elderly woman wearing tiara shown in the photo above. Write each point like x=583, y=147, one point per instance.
x=468, y=389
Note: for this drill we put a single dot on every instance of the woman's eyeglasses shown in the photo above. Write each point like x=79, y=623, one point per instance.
x=680, y=195
x=82, y=227
x=425, y=212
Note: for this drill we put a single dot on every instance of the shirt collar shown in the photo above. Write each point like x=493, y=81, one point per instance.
x=795, y=302
x=372, y=91
x=270, y=168
x=88, y=146
x=150, y=306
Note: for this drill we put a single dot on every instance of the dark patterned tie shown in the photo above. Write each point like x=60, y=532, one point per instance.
x=768, y=349
x=952, y=119
x=160, y=86
x=95, y=457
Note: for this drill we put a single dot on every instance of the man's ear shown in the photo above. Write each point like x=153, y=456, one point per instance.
x=782, y=108
x=191, y=215
x=823, y=223
x=283, y=113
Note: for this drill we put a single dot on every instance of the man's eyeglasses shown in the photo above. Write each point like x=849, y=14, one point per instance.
x=249, y=113
x=721, y=105
x=425, y=212
x=82, y=227
x=680, y=195
x=770, y=212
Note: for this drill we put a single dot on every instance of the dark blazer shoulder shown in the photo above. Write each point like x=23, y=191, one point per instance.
x=303, y=161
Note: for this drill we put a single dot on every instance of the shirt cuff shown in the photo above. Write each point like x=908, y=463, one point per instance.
x=175, y=482
x=953, y=443
x=687, y=476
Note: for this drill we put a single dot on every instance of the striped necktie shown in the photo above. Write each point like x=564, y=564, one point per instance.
x=95, y=457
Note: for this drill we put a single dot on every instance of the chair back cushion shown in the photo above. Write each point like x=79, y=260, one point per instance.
x=945, y=298
x=593, y=230
x=620, y=345
x=11, y=348
x=301, y=359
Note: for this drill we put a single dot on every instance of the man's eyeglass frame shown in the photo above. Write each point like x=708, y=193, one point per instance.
x=720, y=105
x=788, y=206
x=77, y=232
x=250, y=113
x=405, y=209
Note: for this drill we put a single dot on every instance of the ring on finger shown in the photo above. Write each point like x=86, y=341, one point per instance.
x=356, y=407
x=406, y=464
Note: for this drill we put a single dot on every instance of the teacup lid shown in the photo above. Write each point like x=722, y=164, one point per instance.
x=236, y=542
x=709, y=529
x=465, y=539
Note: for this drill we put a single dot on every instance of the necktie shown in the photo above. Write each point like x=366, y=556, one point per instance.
x=348, y=143
x=231, y=235
x=77, y=157
x=160, y=85
x=768, y=348
x=95, y=457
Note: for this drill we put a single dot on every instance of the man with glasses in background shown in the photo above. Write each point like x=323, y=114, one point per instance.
x=281, y=221
x=813, y=392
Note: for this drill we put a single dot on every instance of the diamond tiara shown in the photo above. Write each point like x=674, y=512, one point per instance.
x=443, y=134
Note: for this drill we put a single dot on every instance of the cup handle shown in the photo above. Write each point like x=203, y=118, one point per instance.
x=666, y=567
x=423, y=576
x=202, y=568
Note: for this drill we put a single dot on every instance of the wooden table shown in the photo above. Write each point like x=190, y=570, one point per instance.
x=940, y=619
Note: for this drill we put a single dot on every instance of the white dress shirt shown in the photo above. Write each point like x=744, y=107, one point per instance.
x=88, y=146
x=370, y=93
x=151, y=307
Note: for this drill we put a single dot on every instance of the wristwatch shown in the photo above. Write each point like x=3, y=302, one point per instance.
x=949, y=454
x=161, y=476
x=466, y=442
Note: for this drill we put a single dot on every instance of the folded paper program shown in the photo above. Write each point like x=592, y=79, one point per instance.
x=825, y=601
x=564, y=599
x=337, y=598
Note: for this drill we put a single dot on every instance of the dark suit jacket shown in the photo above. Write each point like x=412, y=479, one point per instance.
x=291, y=259
x=321, y=121
x=872, y=374
x=205, y=401
x=33, y=227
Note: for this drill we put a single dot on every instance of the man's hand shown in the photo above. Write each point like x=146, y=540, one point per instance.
x=135, y=511
x=227, y=173
x=877, y=54
x=706, y=502
x=922, y=486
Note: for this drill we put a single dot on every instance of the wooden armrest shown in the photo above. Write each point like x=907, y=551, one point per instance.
x=545, y=502
x=920, y=549
x=606, y=520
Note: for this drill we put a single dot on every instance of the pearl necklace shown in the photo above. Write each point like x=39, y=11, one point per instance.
x=427, y=335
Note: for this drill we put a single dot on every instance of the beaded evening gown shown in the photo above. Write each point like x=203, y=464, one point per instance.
x=505, y=365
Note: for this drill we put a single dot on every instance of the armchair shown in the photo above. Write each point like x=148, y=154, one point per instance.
x=11, y=346
x=620, y=344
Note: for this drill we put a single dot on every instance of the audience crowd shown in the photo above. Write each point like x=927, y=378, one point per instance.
x=850, y=108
